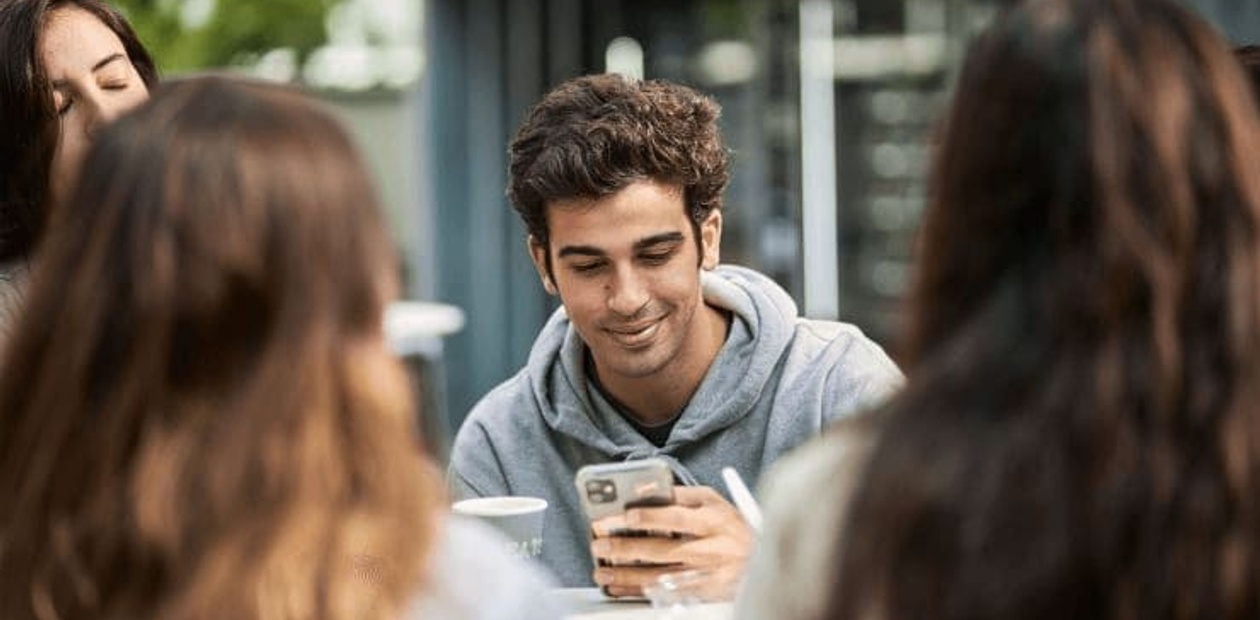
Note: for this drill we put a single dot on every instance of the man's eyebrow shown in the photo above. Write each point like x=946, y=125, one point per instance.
x=669, y=237
x=641, y=244
x=101, y=64
x=579, y=250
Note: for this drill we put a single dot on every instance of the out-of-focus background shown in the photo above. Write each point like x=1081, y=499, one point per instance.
x=828, y=107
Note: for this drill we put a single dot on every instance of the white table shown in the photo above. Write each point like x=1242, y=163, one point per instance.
x=417, y=327
x=590, y=604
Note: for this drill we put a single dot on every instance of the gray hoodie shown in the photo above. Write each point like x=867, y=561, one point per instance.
x=776, y=382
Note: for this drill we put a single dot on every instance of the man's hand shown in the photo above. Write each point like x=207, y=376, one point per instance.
x=701, y=530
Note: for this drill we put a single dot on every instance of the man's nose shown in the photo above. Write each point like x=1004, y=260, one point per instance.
x=627, y=292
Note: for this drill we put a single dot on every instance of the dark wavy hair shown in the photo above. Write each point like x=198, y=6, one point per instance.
x=1080, y=432
x=206, y=421
x=29, y=117
x=592, y=136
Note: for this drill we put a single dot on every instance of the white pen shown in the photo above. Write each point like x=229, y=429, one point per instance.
x=743, y=498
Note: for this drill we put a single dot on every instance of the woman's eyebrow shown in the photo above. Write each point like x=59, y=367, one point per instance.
x=116, y=56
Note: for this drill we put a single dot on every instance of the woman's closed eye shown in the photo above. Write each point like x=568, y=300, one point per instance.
x=64, y=101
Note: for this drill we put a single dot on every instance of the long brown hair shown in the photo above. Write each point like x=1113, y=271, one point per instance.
x=200, y=418
x=1080, y=433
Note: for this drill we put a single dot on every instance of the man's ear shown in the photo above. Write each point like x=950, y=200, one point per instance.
x=711, y=240
x=538, y=252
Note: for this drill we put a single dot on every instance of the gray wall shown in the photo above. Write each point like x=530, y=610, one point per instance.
x=488, y=60
x=386, y=125
x=1239, y=20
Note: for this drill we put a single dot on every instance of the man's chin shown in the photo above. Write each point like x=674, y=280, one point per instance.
x=633, y=369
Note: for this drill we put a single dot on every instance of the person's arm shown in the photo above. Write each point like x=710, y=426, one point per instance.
x=700, y=531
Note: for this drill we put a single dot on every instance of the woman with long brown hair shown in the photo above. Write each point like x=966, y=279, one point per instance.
x=202, y=419
x=1080, y=432
x=66, y=68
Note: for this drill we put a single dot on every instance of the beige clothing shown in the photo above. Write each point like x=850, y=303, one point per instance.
x=804, y=499
x=474, y=577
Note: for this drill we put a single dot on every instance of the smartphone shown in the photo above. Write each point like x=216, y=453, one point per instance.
x=611, y=488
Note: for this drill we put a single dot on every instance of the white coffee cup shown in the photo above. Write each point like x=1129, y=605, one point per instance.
x=520, y=518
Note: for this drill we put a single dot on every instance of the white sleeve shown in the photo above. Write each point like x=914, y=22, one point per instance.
x=473, y=577
x=805, y=496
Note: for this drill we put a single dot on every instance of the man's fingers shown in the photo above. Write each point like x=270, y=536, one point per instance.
x=630, y=550
x=685, y=498
x=704, y=532
x=609, y=526
x=629, y=580
x=718, y=584
x=676, y=520
x=622, y=592
x=696, y=496
x=655, y=550
x=696, y=512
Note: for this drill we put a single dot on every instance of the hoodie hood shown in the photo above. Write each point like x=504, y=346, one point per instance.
x=762, y=325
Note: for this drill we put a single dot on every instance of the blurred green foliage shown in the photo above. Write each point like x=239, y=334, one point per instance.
x=235, y=33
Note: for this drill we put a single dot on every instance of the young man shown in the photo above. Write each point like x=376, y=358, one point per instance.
x=658, y=350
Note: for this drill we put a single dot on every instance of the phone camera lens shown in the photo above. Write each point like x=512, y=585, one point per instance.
x=601, y=491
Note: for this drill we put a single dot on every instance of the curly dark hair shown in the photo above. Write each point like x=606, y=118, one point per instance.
x=592, y=136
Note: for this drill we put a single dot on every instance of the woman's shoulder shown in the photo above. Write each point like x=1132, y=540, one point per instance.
x=805, y=496
x=832, y=461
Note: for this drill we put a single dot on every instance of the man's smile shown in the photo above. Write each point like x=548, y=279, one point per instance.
x=634, y=335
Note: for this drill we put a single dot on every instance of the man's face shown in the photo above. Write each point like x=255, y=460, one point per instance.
x=626, y=268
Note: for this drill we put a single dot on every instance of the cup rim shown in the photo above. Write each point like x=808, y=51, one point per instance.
x=475, y=506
